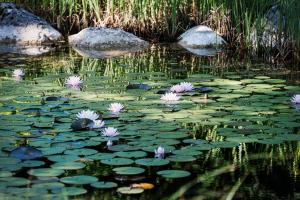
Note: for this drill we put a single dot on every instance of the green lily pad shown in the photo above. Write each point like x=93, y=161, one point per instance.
x=131, y=154
x=129, y=170
x=45, y=172
x=68, y=165
x=173, y=173
x=79, y=180
x=104, y=185
x=117, y=161
x=152, y=162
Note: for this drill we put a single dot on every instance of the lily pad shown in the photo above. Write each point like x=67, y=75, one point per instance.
x=152, y=162
x=130, y=190
x=79, y=180
x=129, y=170
x=104, y=185
x=173, y=173
x=117, y=161
x=45, y=172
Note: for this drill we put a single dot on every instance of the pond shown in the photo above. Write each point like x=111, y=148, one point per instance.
x=233, y=133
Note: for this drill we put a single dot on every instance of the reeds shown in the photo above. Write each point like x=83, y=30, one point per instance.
x=164, y=20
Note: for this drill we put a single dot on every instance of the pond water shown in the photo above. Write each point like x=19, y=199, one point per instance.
x=234, y=136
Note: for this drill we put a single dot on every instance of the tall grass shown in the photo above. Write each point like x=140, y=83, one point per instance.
x=164, y=20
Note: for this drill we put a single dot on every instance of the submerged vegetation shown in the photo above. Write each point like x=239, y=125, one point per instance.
x=160, y=20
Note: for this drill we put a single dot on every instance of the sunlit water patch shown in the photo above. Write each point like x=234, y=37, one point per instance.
x=220, y=137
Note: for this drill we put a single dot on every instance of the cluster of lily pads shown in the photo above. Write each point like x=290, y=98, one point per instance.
x=153, y=136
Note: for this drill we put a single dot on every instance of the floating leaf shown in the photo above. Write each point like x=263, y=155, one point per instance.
x=79, y=180
x=152, y=162
x=173, y=173
x=130, y=190
x=129, y=170
x=104, y=185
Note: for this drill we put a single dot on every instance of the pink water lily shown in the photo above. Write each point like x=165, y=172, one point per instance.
x=170, y=98
x=296, y=99
x=18, y=73
x=87, y=114
x=159, y=152
x=115, y=108
x=73, y=81
x=110, y=132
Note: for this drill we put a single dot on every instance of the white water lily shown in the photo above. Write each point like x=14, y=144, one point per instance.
x=296, y=99
x=177, y=88
x=159, y=152
x=115, y=107
x=110, y=132
x=73, y=81
x=18, y=73
x=109, y=143
x=98, y=124
x=187, y=86
x=170, y=97
x=87, y=114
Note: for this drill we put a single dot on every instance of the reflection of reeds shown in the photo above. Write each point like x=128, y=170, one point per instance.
x=165, y=20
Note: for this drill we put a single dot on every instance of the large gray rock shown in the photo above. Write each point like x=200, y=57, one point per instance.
x=200, y=37
x=106, y=41
x=20, y=26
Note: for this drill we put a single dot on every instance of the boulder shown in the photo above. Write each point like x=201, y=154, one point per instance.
x=20, y=26
x=106, y=41
x=200, y=37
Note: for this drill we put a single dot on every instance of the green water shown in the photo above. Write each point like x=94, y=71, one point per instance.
x=241, y=142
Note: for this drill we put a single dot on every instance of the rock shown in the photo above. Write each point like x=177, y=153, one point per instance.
x=270, y=32
x=20, y=26
x=200, y=37
x=105, y=42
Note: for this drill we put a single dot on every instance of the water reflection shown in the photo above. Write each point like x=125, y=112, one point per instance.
x=25, y=50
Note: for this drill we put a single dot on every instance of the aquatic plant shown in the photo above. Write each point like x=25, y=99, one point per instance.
x=98, y=124
x=187, y=86
x=159, y=152
x=109, y=143
x=170, y=97
x=110, y=132
x=296, y=99
x=177, y=88
x=73, y=81
x=115, y=108
x=87, y=114
x=18, y=73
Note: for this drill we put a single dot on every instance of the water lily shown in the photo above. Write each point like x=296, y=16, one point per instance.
x=98, y=124
x=115, y=108
x=18, y=73
x=110, y=132
x=87, y=114
x=187, y=86
x=109, y=143
x=73, y=81
x=296, y=99
x=177, y=88
x=170, y=97
x=159, y=152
